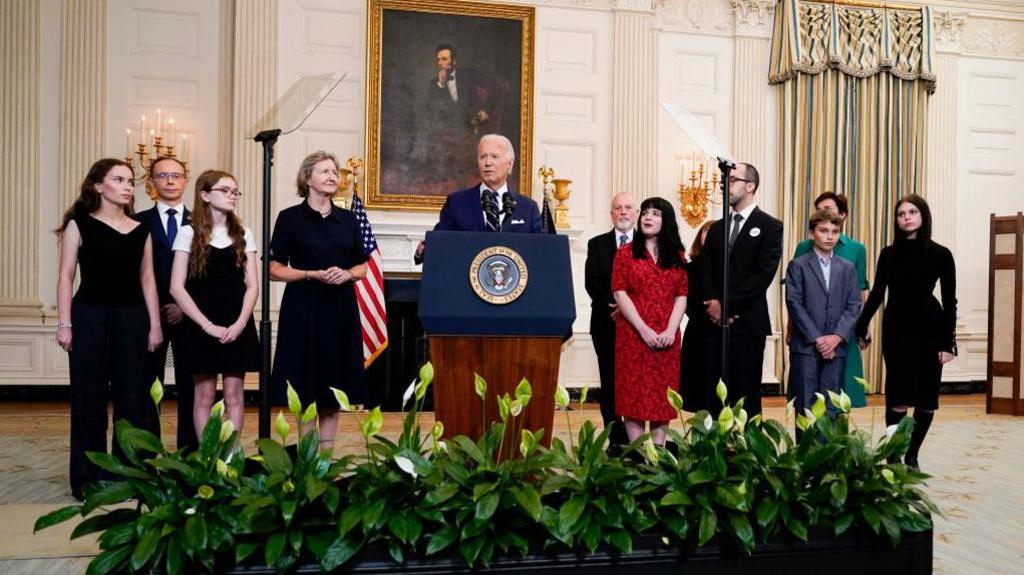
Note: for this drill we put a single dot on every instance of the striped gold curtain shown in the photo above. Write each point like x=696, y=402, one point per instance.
x=853, y=83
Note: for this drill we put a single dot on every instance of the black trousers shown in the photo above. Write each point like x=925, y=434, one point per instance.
x=108, y=363
x=183, y=382
x=746, y=356
x=603, y=338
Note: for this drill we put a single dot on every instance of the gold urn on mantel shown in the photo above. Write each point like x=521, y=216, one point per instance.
x=556, y=189
x=348, y=176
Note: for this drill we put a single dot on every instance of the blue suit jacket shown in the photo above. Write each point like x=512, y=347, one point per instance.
x=163, y=257
x=817, y=312
x=462, y=213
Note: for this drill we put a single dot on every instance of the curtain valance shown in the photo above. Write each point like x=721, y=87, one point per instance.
x=811, y=37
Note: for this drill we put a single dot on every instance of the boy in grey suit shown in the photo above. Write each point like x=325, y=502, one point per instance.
x=823, y=298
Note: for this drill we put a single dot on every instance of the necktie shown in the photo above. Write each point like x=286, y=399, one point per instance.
x=623, y=239
x=736, y=218
x=491, y=209
x=172, y=226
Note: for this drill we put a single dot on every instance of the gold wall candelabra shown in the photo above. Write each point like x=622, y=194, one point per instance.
x=557, y=189
x=151, y=141
x=348, y=177
x=698, y=189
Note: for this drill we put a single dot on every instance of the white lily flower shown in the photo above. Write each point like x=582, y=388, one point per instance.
x=406, y=465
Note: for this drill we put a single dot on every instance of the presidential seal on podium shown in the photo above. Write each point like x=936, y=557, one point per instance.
x=498, y=275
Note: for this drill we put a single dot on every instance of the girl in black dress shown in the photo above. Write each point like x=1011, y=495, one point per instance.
x=917, y=331
x=113, y=319
x=692, y=375
x=317, y=249
x=213, y=279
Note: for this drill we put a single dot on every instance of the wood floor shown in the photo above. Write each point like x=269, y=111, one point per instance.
x=977, y=461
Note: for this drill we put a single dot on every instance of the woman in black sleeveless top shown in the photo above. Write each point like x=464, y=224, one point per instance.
x=113, y=319
x=213, y=279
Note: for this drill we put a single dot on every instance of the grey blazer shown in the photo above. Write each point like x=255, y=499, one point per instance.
x=816, y=311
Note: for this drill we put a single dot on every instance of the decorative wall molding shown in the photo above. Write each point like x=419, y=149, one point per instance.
x=949, y=27
x=992, y=38
x=696, y=17
x=754, y=17
x=645, y=6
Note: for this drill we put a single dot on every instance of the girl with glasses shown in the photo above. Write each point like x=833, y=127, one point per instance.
x=214, y=281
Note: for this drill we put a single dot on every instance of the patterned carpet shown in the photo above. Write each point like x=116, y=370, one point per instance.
x=977, y=461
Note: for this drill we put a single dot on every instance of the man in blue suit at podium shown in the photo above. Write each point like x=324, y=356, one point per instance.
x=490, y=206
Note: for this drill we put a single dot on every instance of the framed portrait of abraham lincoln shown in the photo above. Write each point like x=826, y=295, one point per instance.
x=440, y=75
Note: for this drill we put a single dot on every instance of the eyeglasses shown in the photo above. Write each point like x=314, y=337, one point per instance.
x=228, y=191
x=169, y=176
x=734, y=179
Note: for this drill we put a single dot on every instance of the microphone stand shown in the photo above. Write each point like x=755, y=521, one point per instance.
x=726, y=167
x=268, y=138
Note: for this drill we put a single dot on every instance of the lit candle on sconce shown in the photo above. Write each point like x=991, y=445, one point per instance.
x=159, y=122
x=170, y=133
x=184, y=148
x=142, y=127
x=128, y=142
x=152, y=137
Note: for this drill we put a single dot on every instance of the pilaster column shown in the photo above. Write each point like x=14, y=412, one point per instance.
x=19, y=158
x=254, y=90
x=634, y=100
x=83, y=92
x=941, y=175
x=750, y=78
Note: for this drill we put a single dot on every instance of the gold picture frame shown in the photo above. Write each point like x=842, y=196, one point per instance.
x=411, y=160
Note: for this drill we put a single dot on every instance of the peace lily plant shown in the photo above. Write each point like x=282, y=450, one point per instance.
x=726, y=479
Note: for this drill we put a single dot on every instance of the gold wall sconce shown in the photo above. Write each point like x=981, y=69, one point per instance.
x=698, y=188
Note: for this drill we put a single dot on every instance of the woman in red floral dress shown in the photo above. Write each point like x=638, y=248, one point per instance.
x=649, y=283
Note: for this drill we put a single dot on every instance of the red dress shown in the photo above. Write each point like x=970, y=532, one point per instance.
x=642, y=374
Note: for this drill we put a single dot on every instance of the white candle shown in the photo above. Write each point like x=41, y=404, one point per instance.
x=128, y=142
x=184, y=147
x=170, y=132
x=159, y=122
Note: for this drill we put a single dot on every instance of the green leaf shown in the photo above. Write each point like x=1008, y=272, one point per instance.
x=676, y=498
x=114, y=492
x=102, y=522
x=57, y=516
x=275, y=458
x=118, y=535
x=838, y=490
x=570, y=511
x=767, y=511
x=487, y=505
x=529, y=499
x=870, y=515
x=621, y=540
x=479, y=385
x=470, y=549
x=843, y=522
x=195, y=532
x=294, y=404
x=310, y=414
x=110, y=561
x=698, y=476
x=244, y=550
x=274, y=547
x=339, y=552
x=175, y=556
x=112, y=464
x=741, y=527
x=442, y=539
x=708, y=525
x=144, y=549
x=372, y=424
x=134, y=438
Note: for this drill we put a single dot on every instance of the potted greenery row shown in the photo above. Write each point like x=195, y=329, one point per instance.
x=731, y=487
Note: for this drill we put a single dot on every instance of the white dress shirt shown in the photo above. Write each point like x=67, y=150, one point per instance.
x=453, y=88
x=746, y=216
x=179, y=213
x=501, y=196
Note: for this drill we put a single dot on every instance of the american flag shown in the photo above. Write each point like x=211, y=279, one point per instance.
x=370, y=291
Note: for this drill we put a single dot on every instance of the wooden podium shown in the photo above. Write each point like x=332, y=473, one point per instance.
x=497, y=305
